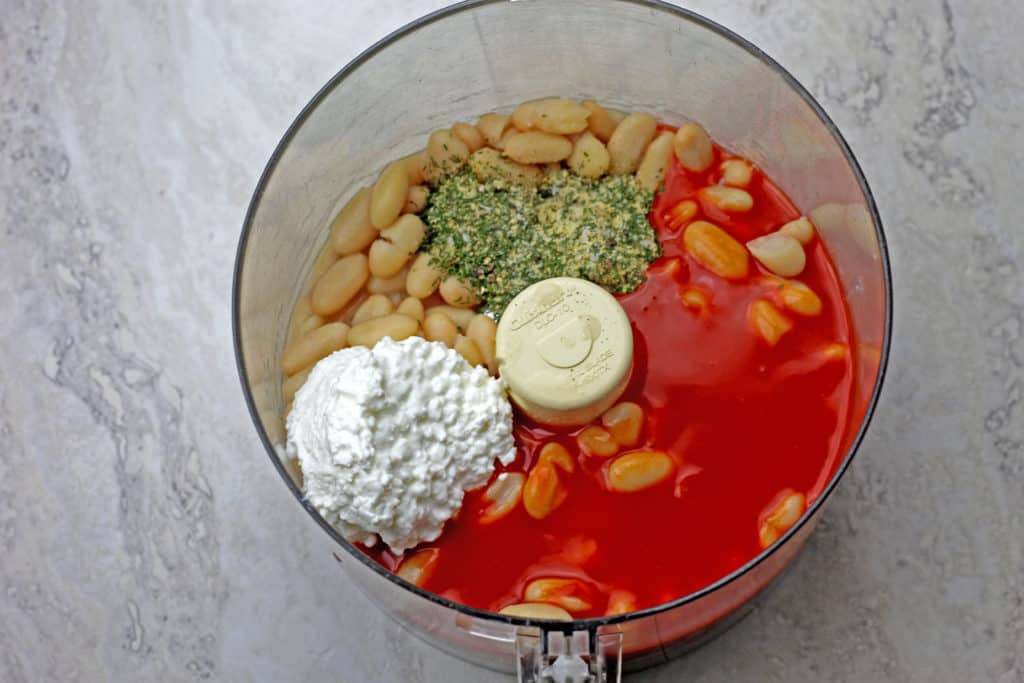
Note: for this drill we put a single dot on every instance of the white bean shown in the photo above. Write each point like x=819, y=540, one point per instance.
x=552, y=115
x=728, y=199
x=469, y=350
x=484, y=331
x=693, y=147
x=488, y=164
x=374, y=307
x=395, y=325
x=339, y=284
x=407, y=233
x=395, y=283
x=293, y=384
x=303, y=309
x=651, y=171
x=505, y=137
x=801, y=229
x=414, y=165
x=388, y=195
x=737, y=172
x=589, y=156
x=446, y=154
x=412, y=307
x=639, y=470
x=307, y=351
x=458, y=293
x=779, y=253
x=309, y=324
x=416, y=199
x=386, y=259
x=423, y=278
x=352, y=229
x=628, y=142
x=493, y=126
x=439, y=327
x=536, y=147
x=460, y=316
x=472, y=137
x=616, y=115
x=600, y=122
x=345, y=314
x=324, y=261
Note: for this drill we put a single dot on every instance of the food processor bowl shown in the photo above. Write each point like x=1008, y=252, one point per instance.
x=489, y=55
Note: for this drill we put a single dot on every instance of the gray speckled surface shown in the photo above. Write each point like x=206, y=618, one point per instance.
x=143, y=535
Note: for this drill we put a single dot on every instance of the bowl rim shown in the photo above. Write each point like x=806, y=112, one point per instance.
x=591, y=623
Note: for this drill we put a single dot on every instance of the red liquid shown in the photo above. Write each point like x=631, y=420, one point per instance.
x=742, y=420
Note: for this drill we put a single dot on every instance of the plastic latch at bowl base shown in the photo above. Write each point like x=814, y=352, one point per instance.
x=577, y=657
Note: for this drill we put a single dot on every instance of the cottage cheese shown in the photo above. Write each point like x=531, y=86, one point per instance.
x=389, y=439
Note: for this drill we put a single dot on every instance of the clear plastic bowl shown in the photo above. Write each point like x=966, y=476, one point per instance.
x=483, y=56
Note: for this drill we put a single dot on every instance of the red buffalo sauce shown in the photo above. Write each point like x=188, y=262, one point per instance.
x=742, y=420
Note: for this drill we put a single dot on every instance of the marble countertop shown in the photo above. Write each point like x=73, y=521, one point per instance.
x=143, y=536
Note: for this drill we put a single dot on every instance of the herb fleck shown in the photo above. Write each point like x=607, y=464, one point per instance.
x=502, y=237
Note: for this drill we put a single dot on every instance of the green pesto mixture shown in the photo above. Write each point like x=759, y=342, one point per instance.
x=502, y=237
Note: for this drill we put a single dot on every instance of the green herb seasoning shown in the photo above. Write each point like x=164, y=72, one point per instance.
x=501, y=237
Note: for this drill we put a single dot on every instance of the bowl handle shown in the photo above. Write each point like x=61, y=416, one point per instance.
x=551, y=656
